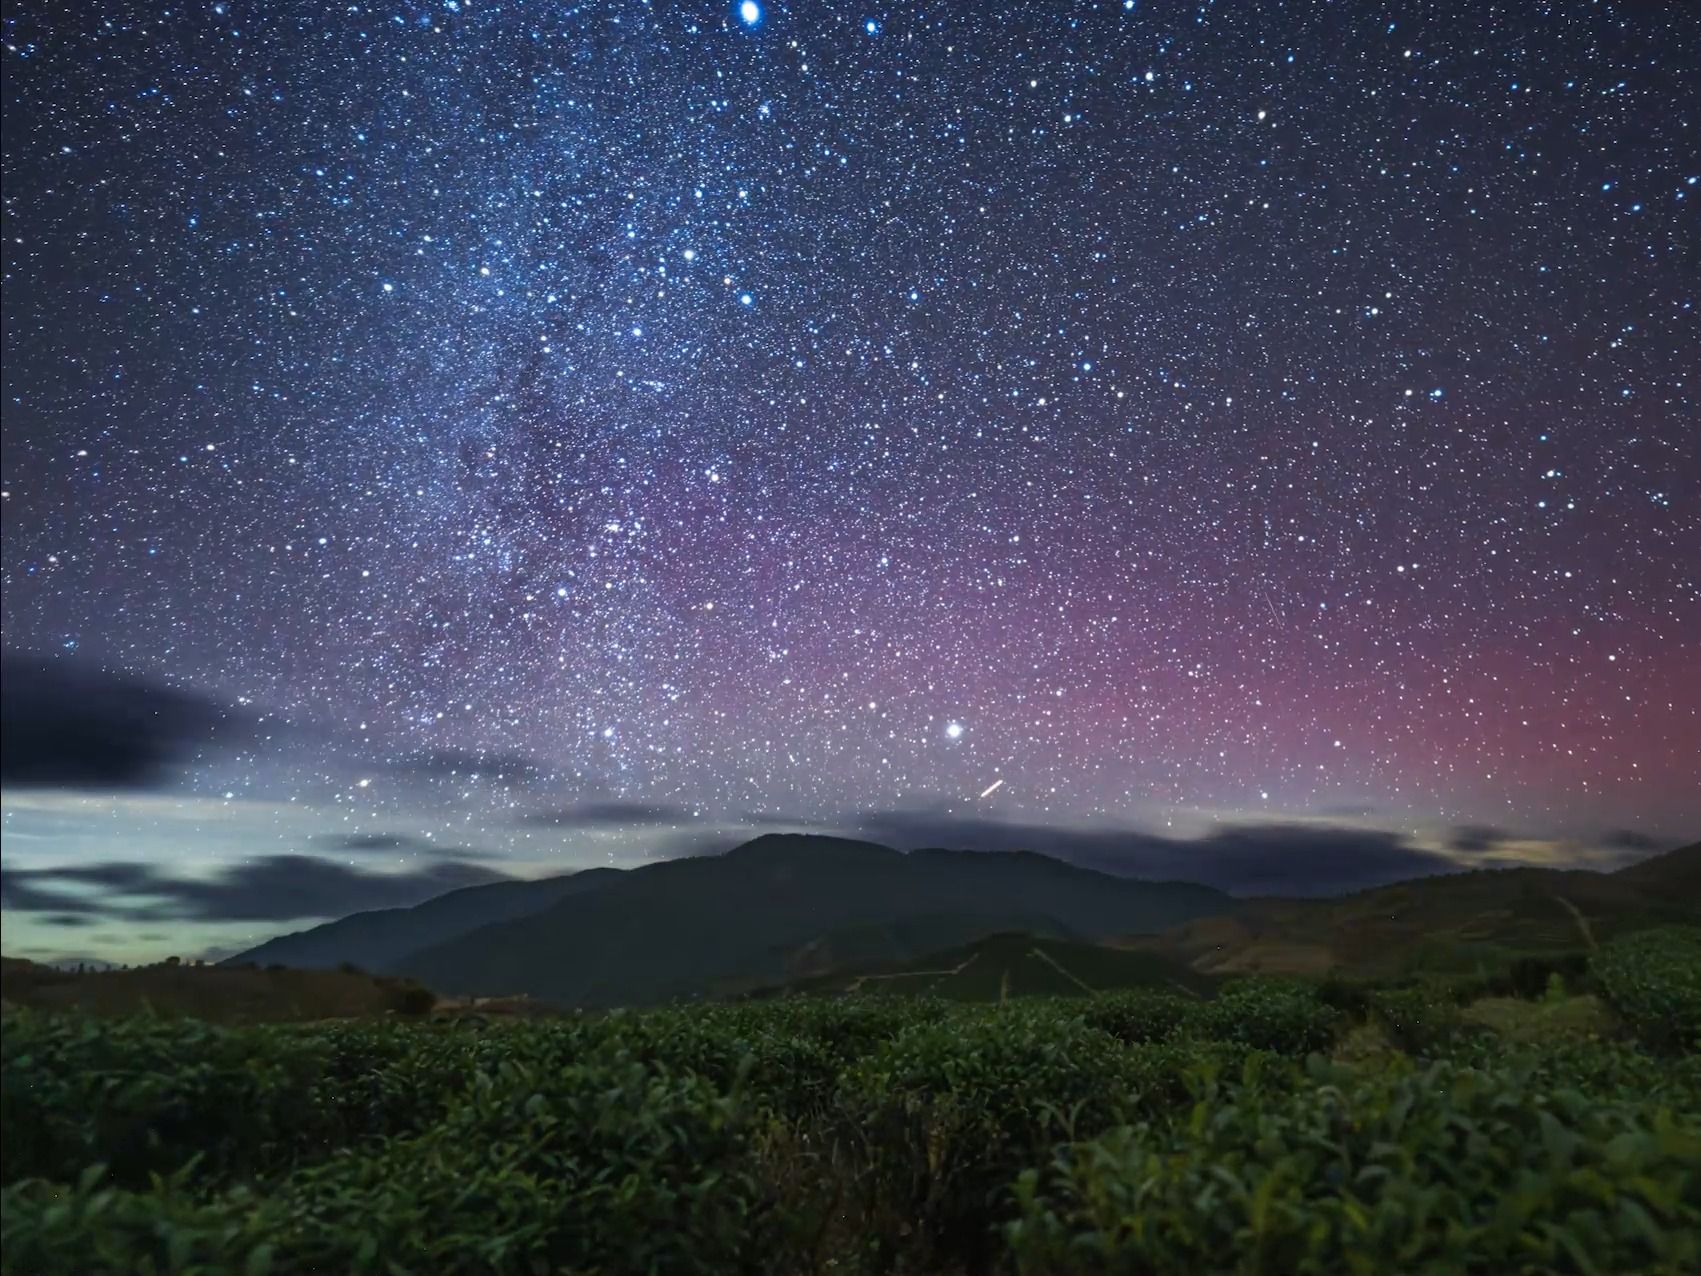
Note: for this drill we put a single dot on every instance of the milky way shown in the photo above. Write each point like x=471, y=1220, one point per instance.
x=1217, y=411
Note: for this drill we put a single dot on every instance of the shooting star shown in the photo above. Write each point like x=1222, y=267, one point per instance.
x=988, y=790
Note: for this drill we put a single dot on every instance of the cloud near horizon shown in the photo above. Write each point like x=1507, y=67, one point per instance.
x=1243, y=859
x=608, y=814
x=275, y=888
x=407, y=844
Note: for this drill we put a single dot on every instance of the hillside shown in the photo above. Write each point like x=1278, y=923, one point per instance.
x=220, y=994
x=1010, y=964
x=1458, y=921
x=1675, y=874
x=787, y=908
x=880, y=944
x=379, y=939
x=730, y=923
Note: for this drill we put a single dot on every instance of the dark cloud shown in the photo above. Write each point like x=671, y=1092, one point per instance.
x=67, y=726
x=69, y=920
x=366, y=841
x=396, y=844
x=1476, y=838
x=271, y=888
x=44, y=890
x=1258, y=859
x=1631, y=840
x=607, y=814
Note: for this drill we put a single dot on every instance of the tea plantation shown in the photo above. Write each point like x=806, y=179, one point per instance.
x=1277, y=1128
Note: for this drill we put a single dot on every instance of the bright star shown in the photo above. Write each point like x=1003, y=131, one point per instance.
x=750, y=13
x=954, y=730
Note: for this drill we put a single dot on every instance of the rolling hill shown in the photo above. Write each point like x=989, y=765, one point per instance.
x=1010, y=964
x=725, y=924
x=766, y=911
x=1457, y=921
x=785, y=908
x=381, y=938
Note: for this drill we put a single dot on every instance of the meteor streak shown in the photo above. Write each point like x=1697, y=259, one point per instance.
x=987, y=791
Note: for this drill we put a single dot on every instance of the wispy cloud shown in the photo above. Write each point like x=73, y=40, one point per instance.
x=270, y=888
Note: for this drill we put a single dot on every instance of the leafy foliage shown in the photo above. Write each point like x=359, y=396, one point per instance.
x=1418, y=1018
x=1447, y=1168
x=1287, y=1016
x=1137, y=1132
x=1653, y=979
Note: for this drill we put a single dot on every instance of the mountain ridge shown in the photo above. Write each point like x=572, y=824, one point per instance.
x=787, y=906
x=694, y=925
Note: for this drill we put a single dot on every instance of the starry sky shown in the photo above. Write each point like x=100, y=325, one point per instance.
x=539, y=435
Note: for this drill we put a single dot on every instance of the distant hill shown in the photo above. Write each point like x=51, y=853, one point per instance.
x=764, y=912
x=785, y=908
x=1011, y=964
x=380, y=939
x=1456, y=921
x=221, y=994
x=1675, y=874
x=882, y=943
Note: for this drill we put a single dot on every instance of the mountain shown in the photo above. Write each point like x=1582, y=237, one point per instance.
x=380, y=939
x=1457, y=921
x=1011, y=964
x=718, y=925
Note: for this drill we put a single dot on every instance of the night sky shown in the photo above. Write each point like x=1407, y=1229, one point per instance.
x=538, y=436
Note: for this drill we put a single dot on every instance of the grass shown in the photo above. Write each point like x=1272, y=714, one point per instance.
x=1535, y=1022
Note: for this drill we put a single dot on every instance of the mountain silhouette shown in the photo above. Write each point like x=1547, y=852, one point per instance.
x=714, y=925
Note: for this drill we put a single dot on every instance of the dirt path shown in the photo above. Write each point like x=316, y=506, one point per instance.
x=858, y=982
x=1051, y=961
x=1582, y=922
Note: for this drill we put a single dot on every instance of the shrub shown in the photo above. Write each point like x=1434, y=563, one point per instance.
x=1133, y=1133
x=1286, y=1016
x=416, y=1000
x=1351, y=997
x=1138, y=1016
x=1419, y=1018
x=944, y=1116
x=607, y=1164
x=147, y=1095
x=1653, y=979
x=1445, y=1169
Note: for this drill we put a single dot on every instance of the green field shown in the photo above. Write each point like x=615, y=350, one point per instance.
x=999, y=967
x=1275, y=1127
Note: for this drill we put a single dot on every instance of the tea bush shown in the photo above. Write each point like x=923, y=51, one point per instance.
x=1445, y=1169
x=145, y=1096
x=1419, y=1018
x=1653, y=979
x=945, y=1114
x=1286, y=1016
x=1140, y=1015
x=608, y=1164
x=1137, y=1132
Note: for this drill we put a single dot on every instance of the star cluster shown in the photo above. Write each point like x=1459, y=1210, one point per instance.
x=1167, y=411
